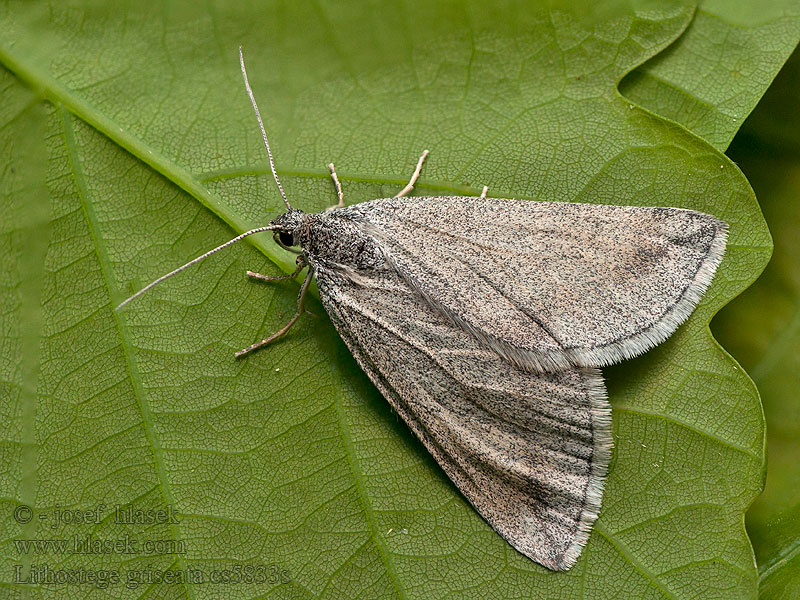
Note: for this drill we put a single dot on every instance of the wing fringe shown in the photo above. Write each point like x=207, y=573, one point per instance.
x=601, y=458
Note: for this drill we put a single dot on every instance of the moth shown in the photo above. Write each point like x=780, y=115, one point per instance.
x=484, y=323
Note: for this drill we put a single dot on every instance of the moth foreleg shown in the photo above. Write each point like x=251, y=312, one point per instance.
x=301, y=308
x=338, y=185
x=414, y=177
x=483, y=192
x=301, y=264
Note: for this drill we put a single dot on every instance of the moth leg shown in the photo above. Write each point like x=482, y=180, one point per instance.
x=338, y=188
x=301, y=264
x=301, y=308
x=414, y=177
x=483, y=193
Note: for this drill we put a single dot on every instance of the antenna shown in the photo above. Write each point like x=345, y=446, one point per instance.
x=238, y=237
x=194, y=261
x=263, y=131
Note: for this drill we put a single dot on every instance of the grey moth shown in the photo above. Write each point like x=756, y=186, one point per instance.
x=484, y=323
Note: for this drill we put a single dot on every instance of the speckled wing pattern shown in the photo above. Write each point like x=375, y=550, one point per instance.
x=528, y=450
x=551, y=285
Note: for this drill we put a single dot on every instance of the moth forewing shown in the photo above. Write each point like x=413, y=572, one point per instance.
x=528, y=450
x=552, y=285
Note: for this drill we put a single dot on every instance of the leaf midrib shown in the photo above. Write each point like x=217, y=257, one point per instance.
x=355, y=469
x=61, y=95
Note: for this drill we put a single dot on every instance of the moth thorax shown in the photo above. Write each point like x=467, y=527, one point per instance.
x=343, y=241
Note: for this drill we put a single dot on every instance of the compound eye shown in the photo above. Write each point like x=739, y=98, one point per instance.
x=287, y=239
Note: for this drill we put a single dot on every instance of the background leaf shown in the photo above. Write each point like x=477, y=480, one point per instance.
x=742, y=45
x=750, y=42
x=762, y=329
x=24, y=234
x=290, y=460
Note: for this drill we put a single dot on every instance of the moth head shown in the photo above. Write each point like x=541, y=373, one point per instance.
x=289, y=228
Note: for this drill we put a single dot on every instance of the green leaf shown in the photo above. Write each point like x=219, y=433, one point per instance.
x=762, y=329
x=290, y=460
x=24, y=234
x=713, y=76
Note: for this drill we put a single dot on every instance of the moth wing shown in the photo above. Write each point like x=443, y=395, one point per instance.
x=528, y=450
x=547, y=284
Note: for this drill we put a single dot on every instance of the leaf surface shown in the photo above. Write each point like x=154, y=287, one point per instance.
x=740, y=47
x=762, y=330
x=290, y=461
